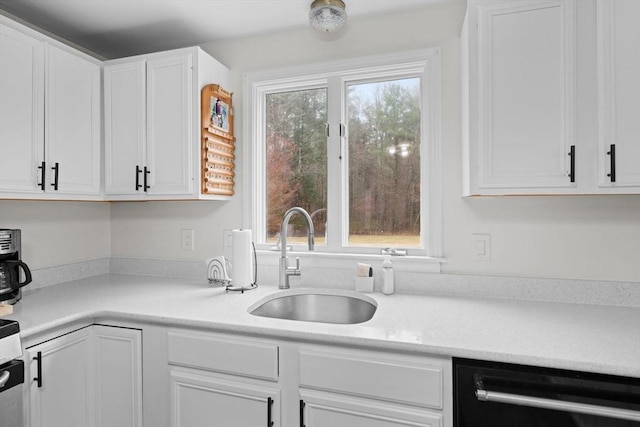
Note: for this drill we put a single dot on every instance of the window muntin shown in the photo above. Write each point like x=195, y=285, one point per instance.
x=336, y=77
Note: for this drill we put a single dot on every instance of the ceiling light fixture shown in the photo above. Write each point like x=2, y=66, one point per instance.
x=327, y=16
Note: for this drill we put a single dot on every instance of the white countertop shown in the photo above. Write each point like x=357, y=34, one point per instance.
x=590, y=338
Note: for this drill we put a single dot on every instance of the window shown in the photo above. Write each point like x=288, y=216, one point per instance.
x=356, y=144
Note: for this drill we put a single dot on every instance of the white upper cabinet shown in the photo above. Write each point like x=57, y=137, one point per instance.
x=152, y=124
x=619, y=93
x=124, y=127
x=72, y=143
x=21, y=110
x=169, y=132
x=51, y=121
x=50, y=118
x=533, y=97
x=521, y=96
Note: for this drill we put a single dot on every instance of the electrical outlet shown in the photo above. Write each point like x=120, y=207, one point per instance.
x=227, y=242
x=187, y=239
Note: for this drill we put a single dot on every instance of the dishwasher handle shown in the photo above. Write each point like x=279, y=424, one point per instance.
x=4, y=378
x=557, y=405
x=11, y=374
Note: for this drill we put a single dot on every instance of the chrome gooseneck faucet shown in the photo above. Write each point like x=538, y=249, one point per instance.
x=285, y=270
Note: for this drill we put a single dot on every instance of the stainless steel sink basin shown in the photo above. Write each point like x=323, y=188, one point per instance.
x=317, y=305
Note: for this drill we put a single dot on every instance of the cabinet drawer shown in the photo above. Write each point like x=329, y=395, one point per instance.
x=247, y=357
x=395, y=378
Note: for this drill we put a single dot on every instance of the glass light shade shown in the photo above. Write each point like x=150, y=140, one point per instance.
x=327, y=15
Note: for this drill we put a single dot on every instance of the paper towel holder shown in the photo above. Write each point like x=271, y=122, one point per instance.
x=242, y=289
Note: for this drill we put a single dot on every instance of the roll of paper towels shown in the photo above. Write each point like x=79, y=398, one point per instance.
x=241, y=258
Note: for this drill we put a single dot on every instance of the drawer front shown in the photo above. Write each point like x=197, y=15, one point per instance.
x=246, y=357
x=321, y=409
x=395, y=378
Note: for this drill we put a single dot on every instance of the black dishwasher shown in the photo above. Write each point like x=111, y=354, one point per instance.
x=492, y=394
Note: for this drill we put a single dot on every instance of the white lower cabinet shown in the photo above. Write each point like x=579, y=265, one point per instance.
x=88, y=377
x=223, y=381
x=200, y=399
x=220, y=380
x=118, y=376
x=334, y=410
x=61, y=374
x=343, y=387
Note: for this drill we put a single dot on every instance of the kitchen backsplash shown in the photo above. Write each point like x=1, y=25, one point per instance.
x=623, y=294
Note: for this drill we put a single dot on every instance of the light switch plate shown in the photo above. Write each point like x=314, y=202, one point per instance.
x=481, y=247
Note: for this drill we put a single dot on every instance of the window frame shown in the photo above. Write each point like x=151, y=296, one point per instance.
x=335, y=76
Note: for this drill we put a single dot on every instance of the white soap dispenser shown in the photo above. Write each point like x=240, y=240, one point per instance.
x=387, y=276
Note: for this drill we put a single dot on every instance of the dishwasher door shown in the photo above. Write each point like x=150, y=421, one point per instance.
x=11, y=380
x=491, y=394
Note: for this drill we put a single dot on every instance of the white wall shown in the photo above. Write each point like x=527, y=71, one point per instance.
x=595, y=237
x=591, y=237
x=59, y=233
x=153, y=229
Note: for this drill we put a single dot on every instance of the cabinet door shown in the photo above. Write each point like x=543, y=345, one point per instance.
x=65, y=396
x=619, y=92
x=526, y=95
x=124, y=127
x=331, y=410
x=118, y=362
x=21, y=111
x=169, y=130
x=72, y=123
x=199, y=399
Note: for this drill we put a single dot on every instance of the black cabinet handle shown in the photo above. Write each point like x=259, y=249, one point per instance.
x=302, y=413
x=38, y=379
x=138, y=170
x=612, y=162
x=572, y=155
x=269, y=405
x=55, y=170
x=146, y=173
x=42, y=168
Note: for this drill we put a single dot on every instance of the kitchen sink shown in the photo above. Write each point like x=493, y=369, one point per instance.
x=317, y=305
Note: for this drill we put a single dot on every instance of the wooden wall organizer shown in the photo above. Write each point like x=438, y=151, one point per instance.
x=218, y=142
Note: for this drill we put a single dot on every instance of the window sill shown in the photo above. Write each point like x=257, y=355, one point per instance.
x=413, y=264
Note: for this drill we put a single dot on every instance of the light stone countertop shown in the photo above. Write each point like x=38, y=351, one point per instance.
x=592, y=338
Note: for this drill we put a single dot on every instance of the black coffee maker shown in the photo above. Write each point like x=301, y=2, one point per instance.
x=12, y=269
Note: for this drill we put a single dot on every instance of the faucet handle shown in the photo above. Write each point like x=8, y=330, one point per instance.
x=294, y=271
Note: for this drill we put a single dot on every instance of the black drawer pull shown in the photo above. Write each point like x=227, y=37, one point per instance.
x=269, y=407
x=42, y=168
x=138, y=170
x=572, y=155
x=612, y=162
x=38, y=359
x=302, y=413
x=55, y=170
x=146, y=173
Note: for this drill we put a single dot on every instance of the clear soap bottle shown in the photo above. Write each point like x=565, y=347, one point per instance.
x=388, y=286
